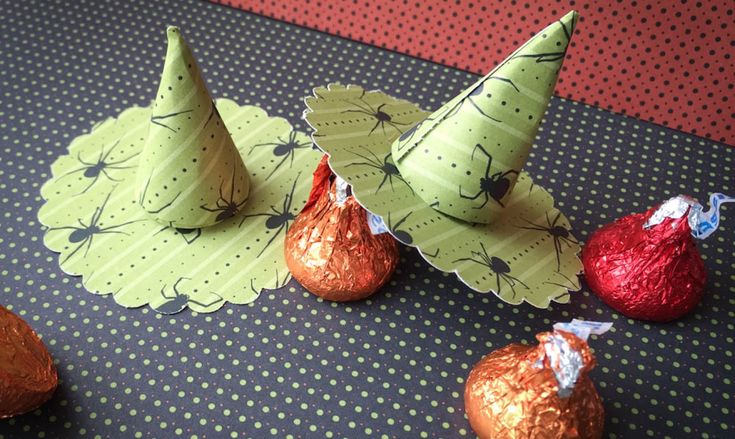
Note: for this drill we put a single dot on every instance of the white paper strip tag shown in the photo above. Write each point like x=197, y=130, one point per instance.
x=583, y=328
x=702, y=223
x=376, y=224
x=341, y=190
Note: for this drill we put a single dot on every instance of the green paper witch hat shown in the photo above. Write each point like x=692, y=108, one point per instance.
x=191, y=174
x=451, y=184
x=465, y=158
x=178, y=160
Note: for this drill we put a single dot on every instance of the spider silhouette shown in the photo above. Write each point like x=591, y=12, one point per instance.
x=548, y=56
x=494, y=186
x=141, y=199
x=404, y=236
x=559, y=233
x=572, y=285
x=480, y=89
x=226, y=208
x=100, y=167
x=497, y=266
x=189, y=235
x=473, y=94
x=284, y=148
x=85, y=233
x=400, y=235
x=278, y=220
x=500, y=78
x=212, y=111
x=157, y=119
x=177, y=301
x=406, y=137
x=380, y=116
x=278, y=284
x=388, y=169
x=543, y=57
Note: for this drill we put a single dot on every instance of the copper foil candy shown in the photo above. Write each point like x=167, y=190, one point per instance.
x=653, y=273
x=330, y=249
x=517, y=392
x=27, y=373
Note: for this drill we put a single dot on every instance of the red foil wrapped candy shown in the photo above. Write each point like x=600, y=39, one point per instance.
x=536, y=392
x=27, y=373
x=646, y=265
x=330, y=248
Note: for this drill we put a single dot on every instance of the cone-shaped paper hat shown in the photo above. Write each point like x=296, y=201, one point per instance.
x=191, y=174
x=464, y=159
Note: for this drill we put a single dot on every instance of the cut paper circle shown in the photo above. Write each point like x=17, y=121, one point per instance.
x=95, y=221
x=528, y=254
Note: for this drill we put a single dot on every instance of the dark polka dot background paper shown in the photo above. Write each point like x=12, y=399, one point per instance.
x=290, y=366
x=667, y=61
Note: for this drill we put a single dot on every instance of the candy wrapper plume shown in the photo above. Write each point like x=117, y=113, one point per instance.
x=330, y=248
x=539, y=392
x=27, y=373
x=646, y=265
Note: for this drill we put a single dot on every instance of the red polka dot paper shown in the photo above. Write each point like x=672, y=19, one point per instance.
x=669, y=62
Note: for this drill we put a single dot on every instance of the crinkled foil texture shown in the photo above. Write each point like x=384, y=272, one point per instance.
x=654, y=274
x=27, y=373
x=330, y=249
x=512, y=393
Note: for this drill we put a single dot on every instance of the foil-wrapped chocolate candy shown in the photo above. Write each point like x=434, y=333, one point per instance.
x=330, y=248
x=27, y=373
x=538, y=392
x=646, y=265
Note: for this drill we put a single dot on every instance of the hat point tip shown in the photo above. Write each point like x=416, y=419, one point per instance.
x=571, y=18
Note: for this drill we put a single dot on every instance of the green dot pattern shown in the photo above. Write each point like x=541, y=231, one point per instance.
x=290, y=365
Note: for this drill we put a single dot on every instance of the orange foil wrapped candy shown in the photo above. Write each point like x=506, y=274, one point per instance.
x=330, y=248
x=537, y=392
x=27, y=373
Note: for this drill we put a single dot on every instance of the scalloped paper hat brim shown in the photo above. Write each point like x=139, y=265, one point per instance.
x=101, y=233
